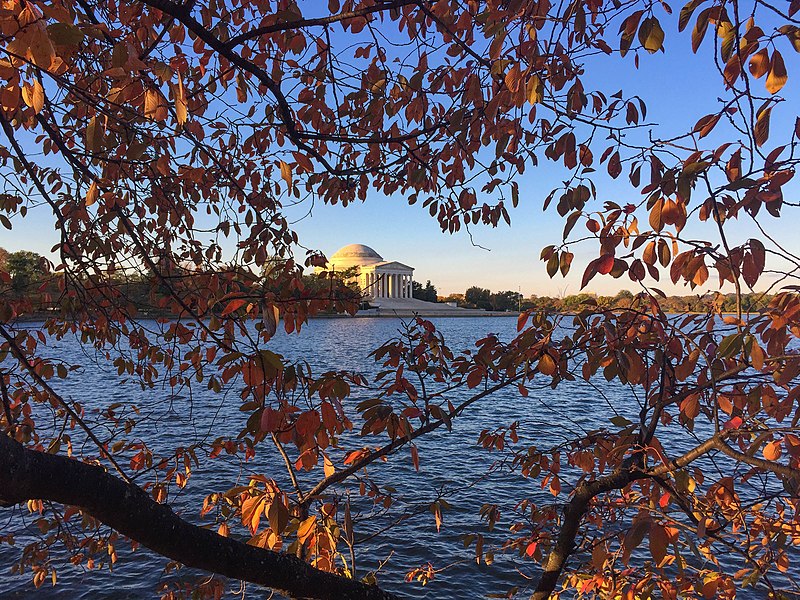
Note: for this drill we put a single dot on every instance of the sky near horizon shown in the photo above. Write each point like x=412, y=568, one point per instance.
x=678, y=87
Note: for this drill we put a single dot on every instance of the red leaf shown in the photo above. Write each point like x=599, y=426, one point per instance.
x=605, y=264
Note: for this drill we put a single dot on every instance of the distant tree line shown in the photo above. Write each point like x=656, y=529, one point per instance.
x=485, y=299
x=481, y=298
x=29, y=274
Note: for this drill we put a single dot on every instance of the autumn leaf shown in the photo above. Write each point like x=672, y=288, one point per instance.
x=656, y=215
x=706, y=124
x=33, y=95
x=233, y=306
x=286, y=173
x=94, y=135
x=306, y=528
x=605, y=264
x=659, y=541
x=772, y=451
x=155, y=107
x=777, y=74
x=328, y=466
x=92, y=194
x=513, y=78
x=759, y=63
x=181, y=107
x=278, y=516
x=651, y=36
x=535, y=93
x=761, y=129
x=547, y=366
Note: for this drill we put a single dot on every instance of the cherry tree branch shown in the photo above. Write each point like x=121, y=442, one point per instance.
x=28, y=474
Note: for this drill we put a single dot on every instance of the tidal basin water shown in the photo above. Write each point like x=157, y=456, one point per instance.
x=451, y=465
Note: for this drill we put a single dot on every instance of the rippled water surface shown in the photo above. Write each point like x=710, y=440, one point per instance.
x=451, y=464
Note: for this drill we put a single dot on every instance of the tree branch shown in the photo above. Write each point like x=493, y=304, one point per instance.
x=27, y=474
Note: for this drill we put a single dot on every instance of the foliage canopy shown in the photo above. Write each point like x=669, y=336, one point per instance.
x=158, y=134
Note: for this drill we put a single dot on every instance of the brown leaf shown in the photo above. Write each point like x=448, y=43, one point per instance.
x=759, y=63
x=651, y=36
x=513, y=78
x=706, y=124
x=761, y=130
x=777, y=74
x=614, y=165
x=699, y=31
x=658, y=543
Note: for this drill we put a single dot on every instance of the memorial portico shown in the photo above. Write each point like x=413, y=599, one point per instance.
x=377, y=278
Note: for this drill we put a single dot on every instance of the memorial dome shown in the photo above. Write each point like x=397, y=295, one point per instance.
x=354, y=255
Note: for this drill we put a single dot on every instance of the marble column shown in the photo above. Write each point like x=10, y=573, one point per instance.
x=405, y=286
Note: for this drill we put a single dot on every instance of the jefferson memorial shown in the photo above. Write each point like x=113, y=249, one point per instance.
x=377, y=278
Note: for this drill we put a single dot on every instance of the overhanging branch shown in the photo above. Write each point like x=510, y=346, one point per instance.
x=27, y=474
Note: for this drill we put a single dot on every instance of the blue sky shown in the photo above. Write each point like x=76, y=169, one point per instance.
x=678, y=87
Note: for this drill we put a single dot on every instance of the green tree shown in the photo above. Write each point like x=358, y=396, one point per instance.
x=26, y=269
x=478, y=297
x=506, y=301
x=427, y=293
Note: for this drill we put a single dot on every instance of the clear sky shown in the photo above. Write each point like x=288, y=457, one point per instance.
x=678, y=87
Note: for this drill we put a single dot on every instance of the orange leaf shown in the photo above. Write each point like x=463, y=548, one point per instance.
x=328, y=466
x=92, y=194
x=772, y=451
x=233, y=306
x=547, y=366
x=286, y=173
x=656, y=217
x=759, y=63
x=181, y=107
x=154, y=106
x=777, y=74
x=306, y=528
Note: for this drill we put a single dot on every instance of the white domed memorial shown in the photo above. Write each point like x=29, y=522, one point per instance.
x=378, y=279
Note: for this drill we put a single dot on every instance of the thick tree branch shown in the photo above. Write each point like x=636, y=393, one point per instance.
x=573, y=515
x=27, y=474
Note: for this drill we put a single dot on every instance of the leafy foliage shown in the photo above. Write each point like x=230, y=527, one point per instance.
x=166, y=141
